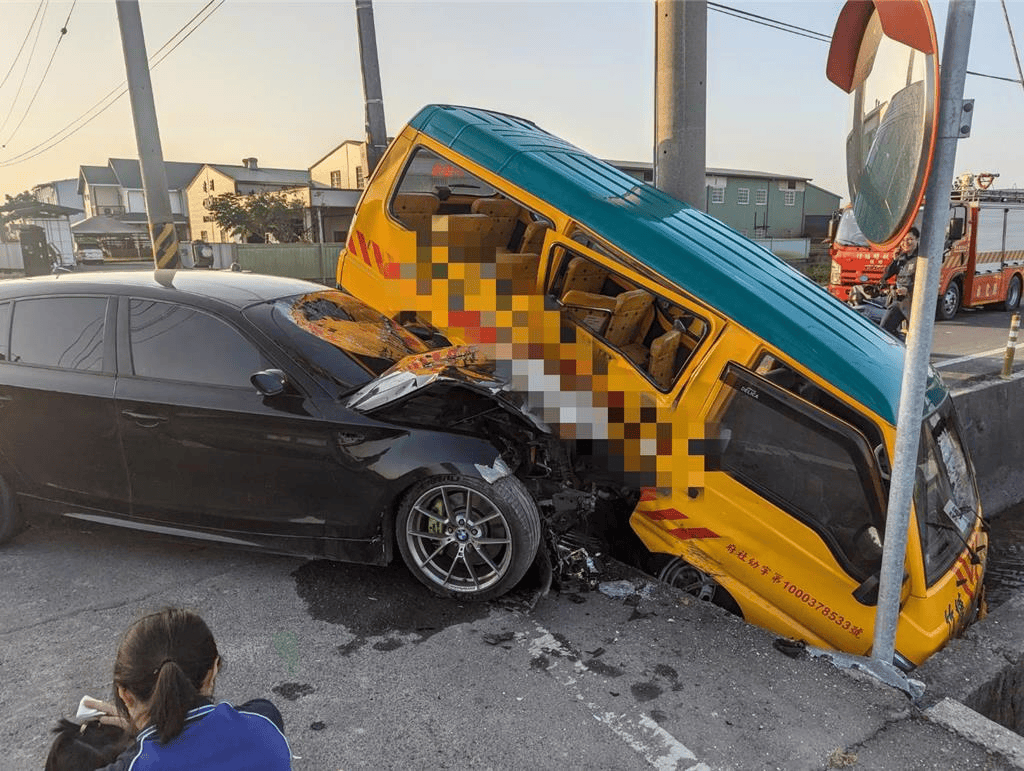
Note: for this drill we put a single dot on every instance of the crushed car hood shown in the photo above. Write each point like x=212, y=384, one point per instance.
x=464, y=365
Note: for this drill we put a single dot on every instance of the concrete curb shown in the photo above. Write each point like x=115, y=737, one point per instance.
x=973, y=684
x=965, y=722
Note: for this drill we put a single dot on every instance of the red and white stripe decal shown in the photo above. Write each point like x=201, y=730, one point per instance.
x=648, y=494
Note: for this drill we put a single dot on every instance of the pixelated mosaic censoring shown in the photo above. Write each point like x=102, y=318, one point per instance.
x=482, y=295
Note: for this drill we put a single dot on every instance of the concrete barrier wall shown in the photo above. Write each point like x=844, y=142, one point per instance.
x=992, y=414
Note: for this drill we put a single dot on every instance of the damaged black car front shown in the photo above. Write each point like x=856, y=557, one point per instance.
x=465, y=528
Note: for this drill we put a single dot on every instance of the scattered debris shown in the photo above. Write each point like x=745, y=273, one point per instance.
x=795, y=649
x=617, y=590
x=840, y=758
x=293, y=691
x=497, y=638
x=575, y=565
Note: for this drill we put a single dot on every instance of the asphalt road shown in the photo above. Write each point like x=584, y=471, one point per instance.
x=971, y=347
x=371, y=671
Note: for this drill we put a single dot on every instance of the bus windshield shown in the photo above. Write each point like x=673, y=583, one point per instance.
x=945, y=495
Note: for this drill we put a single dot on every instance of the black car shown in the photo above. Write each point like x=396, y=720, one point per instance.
x=262, y=412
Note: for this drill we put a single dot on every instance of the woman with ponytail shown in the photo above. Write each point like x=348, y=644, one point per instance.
x=164, y=675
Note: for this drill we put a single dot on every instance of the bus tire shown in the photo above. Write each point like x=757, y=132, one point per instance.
x=1012, y=301
x=949, y=302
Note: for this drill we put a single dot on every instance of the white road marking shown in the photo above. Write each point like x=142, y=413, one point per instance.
x=970, y=356
x=660, y=748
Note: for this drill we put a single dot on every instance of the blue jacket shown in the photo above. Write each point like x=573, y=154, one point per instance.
x=216, y=737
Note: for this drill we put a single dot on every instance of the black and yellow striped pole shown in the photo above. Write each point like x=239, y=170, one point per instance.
x=151, y=157
x=165, y=245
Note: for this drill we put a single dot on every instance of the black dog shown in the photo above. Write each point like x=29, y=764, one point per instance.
x=85, y=747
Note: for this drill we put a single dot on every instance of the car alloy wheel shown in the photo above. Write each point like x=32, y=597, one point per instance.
x=463, y=537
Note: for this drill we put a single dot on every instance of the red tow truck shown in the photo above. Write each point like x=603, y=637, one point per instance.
x=983, y=258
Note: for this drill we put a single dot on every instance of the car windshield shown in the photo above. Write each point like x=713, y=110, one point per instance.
x=341, y=338
x=945, y=495
x=849, y=233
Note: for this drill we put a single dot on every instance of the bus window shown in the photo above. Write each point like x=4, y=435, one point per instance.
x=767, y=434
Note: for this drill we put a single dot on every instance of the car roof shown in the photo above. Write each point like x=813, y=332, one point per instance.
x=693, y=250
x=236, y=289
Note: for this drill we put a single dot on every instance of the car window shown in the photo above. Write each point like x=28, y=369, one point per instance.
x=176, y=342
x=65, y=332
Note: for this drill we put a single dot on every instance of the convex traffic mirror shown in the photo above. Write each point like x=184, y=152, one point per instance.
x=883, y=54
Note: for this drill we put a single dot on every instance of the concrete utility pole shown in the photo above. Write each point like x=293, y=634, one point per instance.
x=376, y=133
x=680, y=99
x=959, y=21
x=162, y=234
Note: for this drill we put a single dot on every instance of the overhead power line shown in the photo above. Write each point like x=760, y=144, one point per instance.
x=28, y=34
x=1013, y=43
x=792, y=29
x=111, y=98
x=768, y=22
x=28, y=65
x=993, y=77
x=32, y=101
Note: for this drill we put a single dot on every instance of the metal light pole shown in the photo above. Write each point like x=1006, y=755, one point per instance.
x=376, y=133
x=162, y=234
x=959, y=21
x=680, y=99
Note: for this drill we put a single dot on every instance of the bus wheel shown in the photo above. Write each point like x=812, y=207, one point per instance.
x=680, y=574
x=1012, y=301
x=949, y=302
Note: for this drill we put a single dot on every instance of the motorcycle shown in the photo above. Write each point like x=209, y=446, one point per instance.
x=873, y=300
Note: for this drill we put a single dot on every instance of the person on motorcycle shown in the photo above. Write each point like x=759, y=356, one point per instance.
x=902, y=266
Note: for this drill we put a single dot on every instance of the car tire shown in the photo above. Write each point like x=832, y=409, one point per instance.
x=1012, y=301
x=949, y=302
x=476, y=557
x=11, y=522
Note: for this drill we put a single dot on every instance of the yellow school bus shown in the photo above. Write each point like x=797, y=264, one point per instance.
x=738, y=417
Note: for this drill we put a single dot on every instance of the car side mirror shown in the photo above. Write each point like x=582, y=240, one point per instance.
x=956, y=229
x=269, y=382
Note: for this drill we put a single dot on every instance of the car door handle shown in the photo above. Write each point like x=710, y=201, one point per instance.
x=144, y=420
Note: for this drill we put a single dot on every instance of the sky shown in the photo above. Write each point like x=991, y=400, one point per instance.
x=280, y=81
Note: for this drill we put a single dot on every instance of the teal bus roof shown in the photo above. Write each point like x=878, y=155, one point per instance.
x=694, y=251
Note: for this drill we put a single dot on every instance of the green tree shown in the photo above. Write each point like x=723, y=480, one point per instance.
x=26, y=197
x=251, y=217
